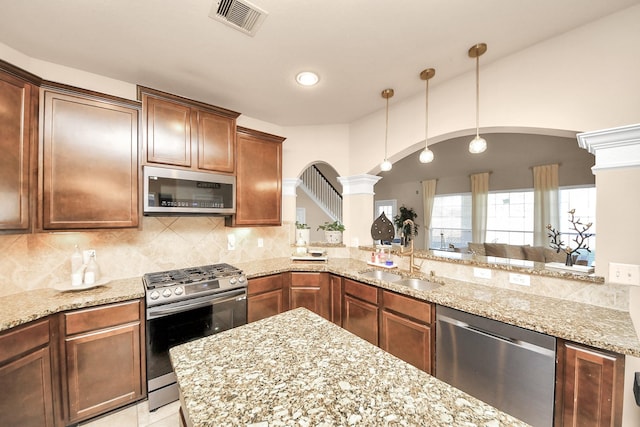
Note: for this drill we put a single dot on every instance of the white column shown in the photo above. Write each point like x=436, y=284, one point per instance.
x=289, y=186
x=357, y=208
x=617, y=172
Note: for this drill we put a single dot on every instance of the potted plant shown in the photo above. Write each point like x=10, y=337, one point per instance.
x=332, y=231
x=398, y=220
x=302, y=233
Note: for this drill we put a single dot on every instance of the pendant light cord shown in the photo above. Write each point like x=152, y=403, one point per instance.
x=386, y=129
x=426, y=117
x=478, y=96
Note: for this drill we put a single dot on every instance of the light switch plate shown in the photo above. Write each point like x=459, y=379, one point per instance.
x=231, y=242
x=260, y=242
x=482, y=273
x=624, y=274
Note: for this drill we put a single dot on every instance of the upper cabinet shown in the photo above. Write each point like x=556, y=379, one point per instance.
x=89, y=161
x=258, y=179
x=185, y=133
x=18, y=139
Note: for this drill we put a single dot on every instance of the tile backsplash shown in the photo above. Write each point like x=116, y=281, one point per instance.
x=42, y=260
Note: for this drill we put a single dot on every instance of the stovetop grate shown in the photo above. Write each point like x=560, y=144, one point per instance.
x=188, y=275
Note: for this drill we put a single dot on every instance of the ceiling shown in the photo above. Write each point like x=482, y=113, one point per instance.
x=359, y=47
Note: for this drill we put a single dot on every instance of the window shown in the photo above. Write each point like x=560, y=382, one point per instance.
x=510, y=217
x=583, y=200
x=451, y=221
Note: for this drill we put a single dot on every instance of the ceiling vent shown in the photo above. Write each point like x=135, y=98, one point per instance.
x=239, y=14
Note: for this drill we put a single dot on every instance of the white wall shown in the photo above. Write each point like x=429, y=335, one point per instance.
x=582, y=80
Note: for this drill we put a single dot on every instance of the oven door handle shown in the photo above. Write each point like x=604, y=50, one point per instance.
x=152, y=314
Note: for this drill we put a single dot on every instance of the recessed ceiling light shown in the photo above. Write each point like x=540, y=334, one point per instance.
x=307, y=78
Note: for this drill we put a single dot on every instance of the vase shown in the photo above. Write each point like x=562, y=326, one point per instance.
x=302, y=234
x=569, y=261
x=334, y=237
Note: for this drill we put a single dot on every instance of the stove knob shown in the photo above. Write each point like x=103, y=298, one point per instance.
x=154, y=295
x=166, y=293
x=178, y=291
x=232, y=281
x=241, y=279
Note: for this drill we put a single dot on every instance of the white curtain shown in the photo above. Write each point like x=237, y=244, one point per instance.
x=428, y=195
x=479, y=197
x=545, y=202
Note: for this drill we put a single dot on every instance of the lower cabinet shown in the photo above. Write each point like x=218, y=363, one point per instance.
x=267, y=296
x=589, y=386
x=361, y=310
x=311, y=291
x=405, y=329
x=102, y=358
x=26, y=376
x=336, y=286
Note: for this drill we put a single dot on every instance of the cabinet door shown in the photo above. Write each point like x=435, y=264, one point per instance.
x=590, y=386
x=258, y=179
x=406, y=339
x=311, y=291
x=168, y=132
x=26, y=377
x=216, y=142
x=18, y=130
x=266, y=297
x=103, y=370
x=361, y=319
x=89, y=164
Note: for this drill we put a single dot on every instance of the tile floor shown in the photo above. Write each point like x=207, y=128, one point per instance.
x=139, y=416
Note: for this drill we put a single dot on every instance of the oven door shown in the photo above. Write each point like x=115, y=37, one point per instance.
x=173, y=324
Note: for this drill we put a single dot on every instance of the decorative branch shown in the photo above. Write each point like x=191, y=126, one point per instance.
x=580, y=240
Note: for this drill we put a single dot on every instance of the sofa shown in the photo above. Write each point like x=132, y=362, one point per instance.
x=525, y=252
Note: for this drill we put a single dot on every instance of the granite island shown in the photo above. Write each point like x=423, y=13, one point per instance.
x=296, y=368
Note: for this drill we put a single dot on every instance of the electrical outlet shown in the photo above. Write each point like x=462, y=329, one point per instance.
x=482, y=273
x=260, y=242
x=624, y=274
x=231, y=242
x=520, y=279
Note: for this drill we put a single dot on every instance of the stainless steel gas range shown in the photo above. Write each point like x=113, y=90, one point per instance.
x=183, y=305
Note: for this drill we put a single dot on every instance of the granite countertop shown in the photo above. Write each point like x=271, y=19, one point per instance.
x=587, y=324
x=297, y=368
x=18, y=309
x=599, y=327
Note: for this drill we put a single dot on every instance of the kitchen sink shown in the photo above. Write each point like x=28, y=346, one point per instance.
x=381, y=275
x=419, y=284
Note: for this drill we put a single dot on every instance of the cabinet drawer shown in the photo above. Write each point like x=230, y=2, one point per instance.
x=306, y=279
x=361, y=291
x=22, y=340
x=101, y=317
x=264, y=284
x=419, y=310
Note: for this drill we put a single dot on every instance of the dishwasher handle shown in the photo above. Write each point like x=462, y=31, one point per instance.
x=493, y=335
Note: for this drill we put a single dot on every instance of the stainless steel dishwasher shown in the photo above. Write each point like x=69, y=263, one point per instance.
x=510, y=368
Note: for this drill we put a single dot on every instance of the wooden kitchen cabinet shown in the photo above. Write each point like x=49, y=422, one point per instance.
x=311, y=291
x=18, y=142
x=360, y=310
x=182, y=132
x=89, y=164
x=589, y=386
x=103, y=358
x=258, y=179
x=26, y=376
x=405, y=329
x=267, y=296
x=336, y=289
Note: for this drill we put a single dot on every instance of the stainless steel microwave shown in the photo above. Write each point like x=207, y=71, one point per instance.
x=175, y=192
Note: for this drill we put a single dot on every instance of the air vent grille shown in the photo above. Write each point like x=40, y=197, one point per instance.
x=239, y=14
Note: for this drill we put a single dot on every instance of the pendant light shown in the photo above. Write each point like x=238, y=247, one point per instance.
x=426, y=156
x=477, y=144
x=386, y=164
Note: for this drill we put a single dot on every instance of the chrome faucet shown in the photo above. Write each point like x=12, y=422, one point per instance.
x=412, y=227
